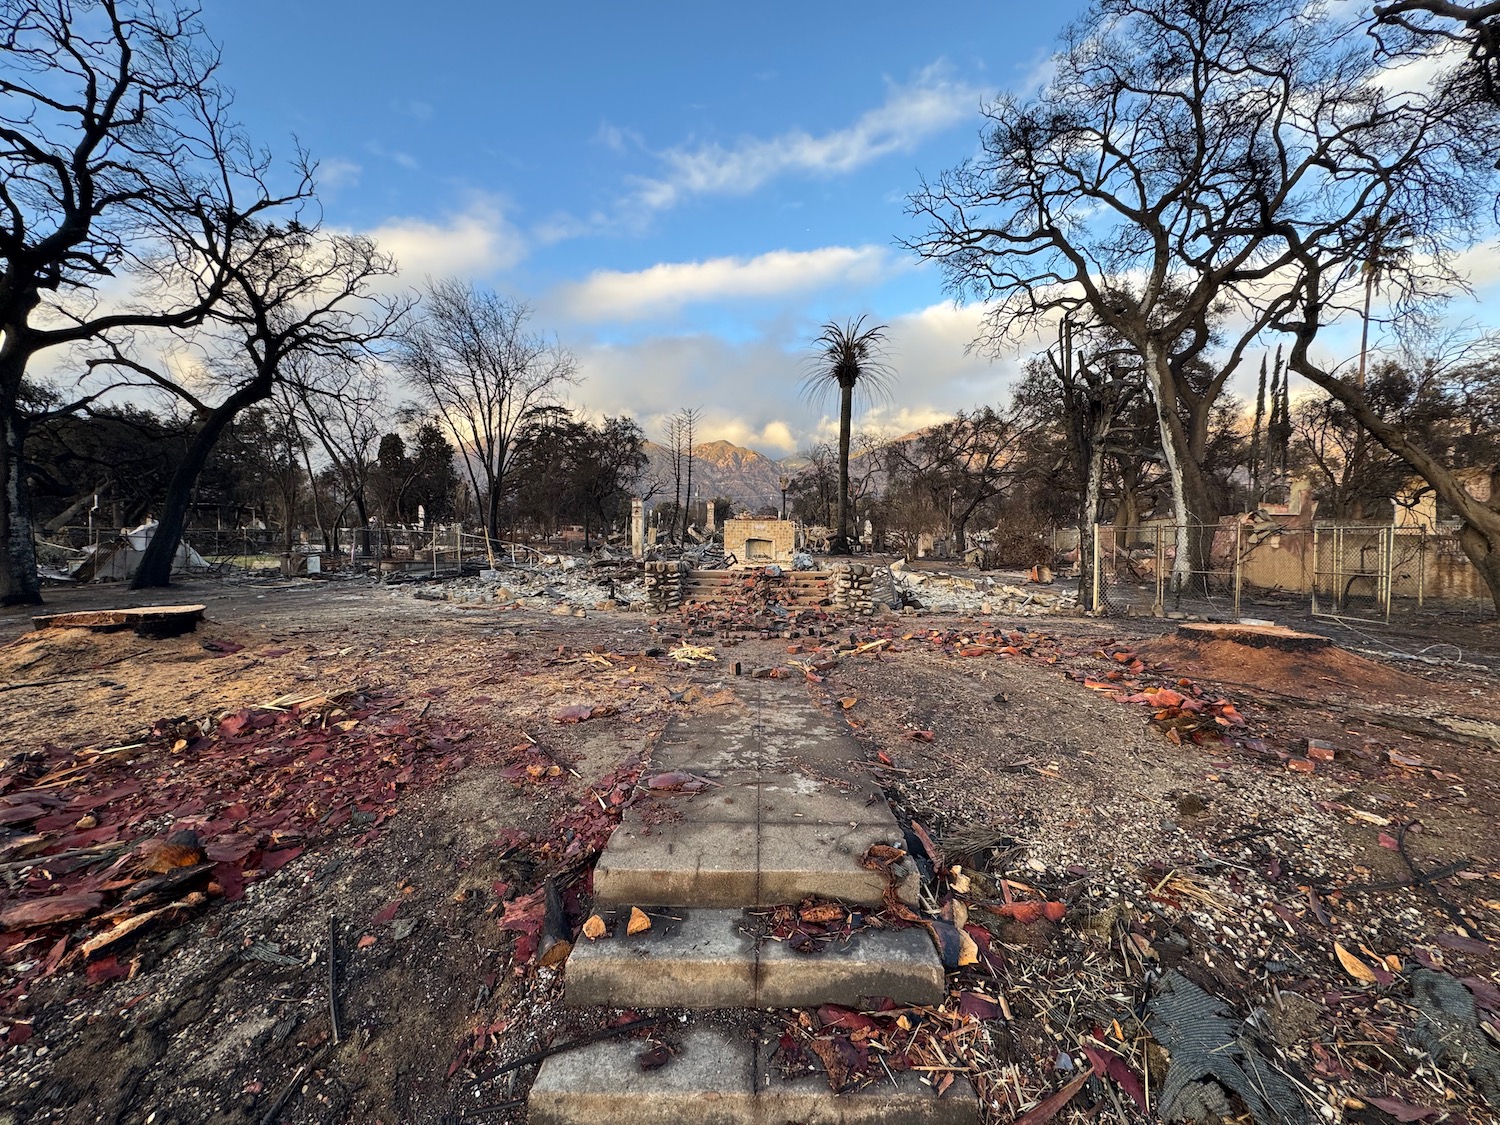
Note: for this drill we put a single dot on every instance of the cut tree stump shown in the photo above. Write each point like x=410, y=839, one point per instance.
x=1256, y=636
x=146, y=621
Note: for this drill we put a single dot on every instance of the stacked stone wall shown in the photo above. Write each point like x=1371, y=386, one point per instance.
x=663, y=583
x=851, y=586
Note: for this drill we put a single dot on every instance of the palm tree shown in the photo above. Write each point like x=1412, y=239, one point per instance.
x=847, y=356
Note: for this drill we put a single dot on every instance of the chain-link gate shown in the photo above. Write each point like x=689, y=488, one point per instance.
x=1352, y=571
x=1135, y=570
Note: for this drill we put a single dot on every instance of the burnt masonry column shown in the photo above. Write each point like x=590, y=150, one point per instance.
x=638, y=528
x=851, y=587
x=664, y=581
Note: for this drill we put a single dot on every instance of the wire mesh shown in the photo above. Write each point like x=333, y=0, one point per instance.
x=1257, y=567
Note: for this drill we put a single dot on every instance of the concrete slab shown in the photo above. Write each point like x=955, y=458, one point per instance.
x=718, y=1078
x=741, y=864
x=709, y=959
x=788, y=797
x=792, y=816
x=901, y=964
x=710, y=1081
x=905, y=1101
x=798, y=860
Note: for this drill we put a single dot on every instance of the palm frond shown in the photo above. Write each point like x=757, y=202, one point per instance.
x=848, y=354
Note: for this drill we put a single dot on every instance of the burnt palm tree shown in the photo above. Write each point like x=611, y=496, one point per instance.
x=847, y=356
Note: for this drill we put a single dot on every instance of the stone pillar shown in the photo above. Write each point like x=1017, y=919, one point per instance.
x=709, y=520
x=851, y=587
x=664, y=582
x=637, y=528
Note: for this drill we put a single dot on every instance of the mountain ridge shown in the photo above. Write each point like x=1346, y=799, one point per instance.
x=721, y=468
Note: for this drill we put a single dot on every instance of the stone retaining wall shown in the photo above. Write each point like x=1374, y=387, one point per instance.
x=850, y=586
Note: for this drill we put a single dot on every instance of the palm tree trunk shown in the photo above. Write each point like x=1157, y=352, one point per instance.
x=846, y=412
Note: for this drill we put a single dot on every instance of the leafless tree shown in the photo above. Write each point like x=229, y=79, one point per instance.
x=1185, y=167
x=473, y=358
x=291, y=460
x=1423, y=26
x=103, y=105
x=675, y=444
x=687, y=428
x=294, y=293
x=963, y=464
x=1098, y=379
x=341, y=402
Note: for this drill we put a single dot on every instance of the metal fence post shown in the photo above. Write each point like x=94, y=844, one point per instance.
x=1388, y=567
x=1421, y=565
x=1239, y=569
x=1094, y=603
x=1161, y=568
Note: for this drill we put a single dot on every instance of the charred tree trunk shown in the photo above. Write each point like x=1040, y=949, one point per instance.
x=1479, y=533
x=492, y=511
x=19, y=582
x=155, y=569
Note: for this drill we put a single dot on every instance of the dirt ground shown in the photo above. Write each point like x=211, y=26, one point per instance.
x=391, y=779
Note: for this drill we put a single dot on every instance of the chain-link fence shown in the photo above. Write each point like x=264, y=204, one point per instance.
x=1352, y=571
x=1254, y=568
x=89, y=553
x=1163, y=568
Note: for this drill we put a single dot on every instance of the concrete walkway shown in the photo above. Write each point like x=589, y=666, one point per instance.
x=787, y=814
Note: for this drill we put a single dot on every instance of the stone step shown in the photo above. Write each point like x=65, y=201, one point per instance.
x=694, y=958
x=789, y=814
x=725, y=1078
x=742, y=864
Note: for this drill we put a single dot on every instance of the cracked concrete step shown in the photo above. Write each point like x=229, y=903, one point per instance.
x=693, y=958
x=719, y=1078
x=742, y=864
x=790, y=813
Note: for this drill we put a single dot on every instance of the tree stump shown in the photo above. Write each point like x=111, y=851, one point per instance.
x=1256, y=636
x=145, y=621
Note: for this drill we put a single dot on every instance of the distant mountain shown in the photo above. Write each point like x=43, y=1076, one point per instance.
x=751, y=479
x=721, y=468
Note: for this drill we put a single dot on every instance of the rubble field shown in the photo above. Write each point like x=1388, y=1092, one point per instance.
x=295, y=866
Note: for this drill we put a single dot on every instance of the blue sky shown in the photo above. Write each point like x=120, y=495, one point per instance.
x=683, y=192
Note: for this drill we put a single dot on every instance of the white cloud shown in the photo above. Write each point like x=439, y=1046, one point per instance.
x=413, y=107
x=775, y=438
x=910, y=113
x=475, y=242
x=404, y=159
x=617, y=139
x=336, y=172
x=931, y=347
x=616, y=295
x=751, y=391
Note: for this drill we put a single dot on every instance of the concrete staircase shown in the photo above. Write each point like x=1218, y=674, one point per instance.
x=787, y=815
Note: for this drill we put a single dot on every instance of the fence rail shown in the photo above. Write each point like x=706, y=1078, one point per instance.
x=88, y=553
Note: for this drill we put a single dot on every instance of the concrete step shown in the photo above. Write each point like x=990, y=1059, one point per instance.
x=729, y=865
x=693, y=958
x=725, y=1078
x=790, y=814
